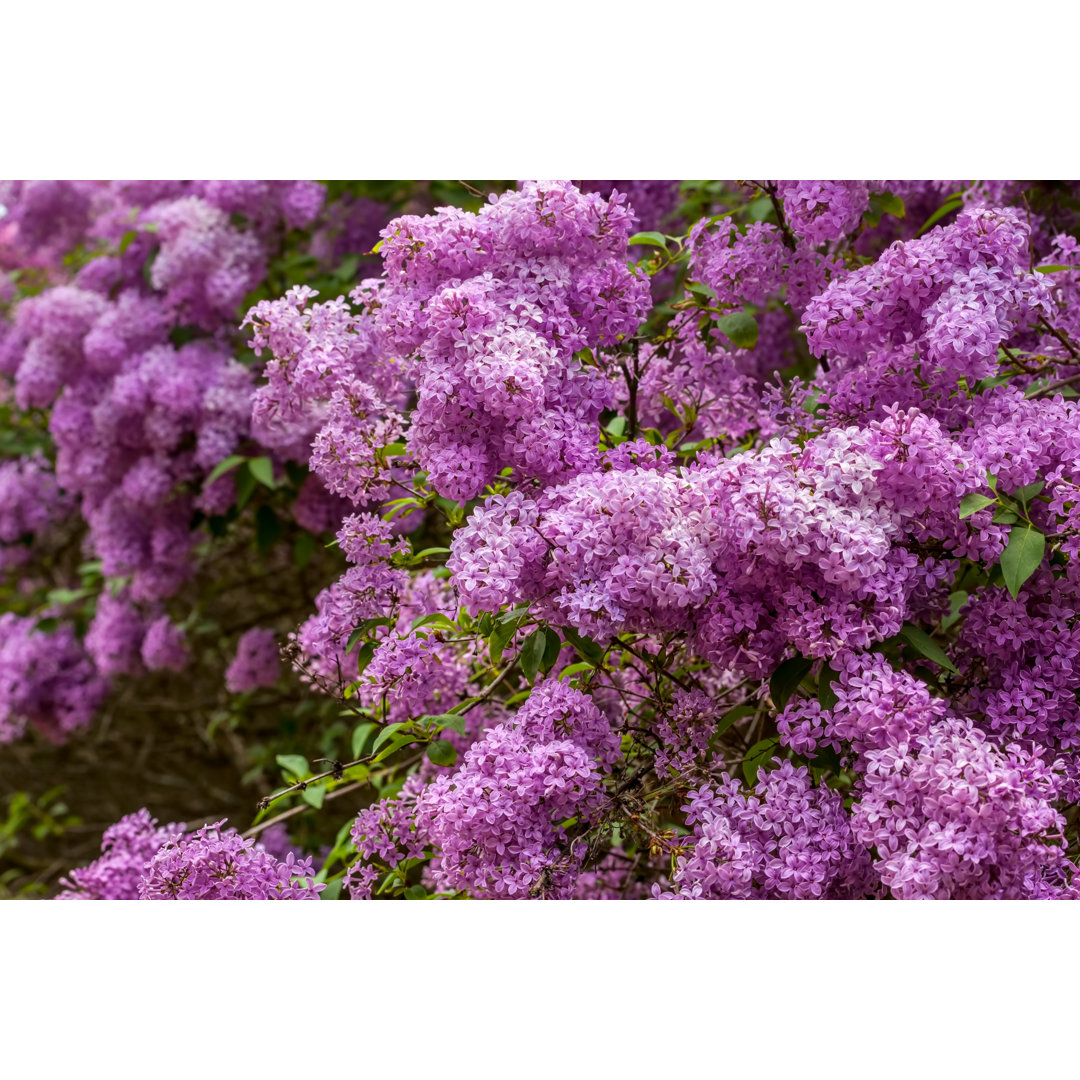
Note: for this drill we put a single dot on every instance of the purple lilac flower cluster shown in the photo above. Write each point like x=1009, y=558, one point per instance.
x=46, y=680
x=786, y=840
x=130, y=352
x=141, y=861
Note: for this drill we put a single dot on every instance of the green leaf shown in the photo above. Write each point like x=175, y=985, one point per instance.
x=702, y=292
x=585, y=647
x=826, y=695
x=296, y=764
x=394, y=745
x=757, y=756
x=532, y=654
x=651, y=239
x=267, y=529
x=571, y=670
x=923, y=643
x=500, y=637
x=386, y=735
x=882, y=203
x=245, y=487
x=760, y=208
x=314, y=795
x=956, y=602
x=1021, y=557
x=740, y=328
x=262, y=468
x=362, y=629
x=552, y=647
x=222, y=467
x=445, y=720
x=442, y=753
x=1054, y=269
x=435, y=619
x=416, y=892
x=973, y=503
x=954, y=203
x=347, y=270
x=430, y=551
x=1004, y=516
x=733, y=716
x=303, y=549
x=332, y=890
x=360, y=736
x=1028, y=492
x=786, y=679
x=364, y=655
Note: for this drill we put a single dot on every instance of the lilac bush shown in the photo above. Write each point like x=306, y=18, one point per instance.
x=709, y=539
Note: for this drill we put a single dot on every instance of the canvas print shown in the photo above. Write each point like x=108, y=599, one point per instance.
x=539, y=540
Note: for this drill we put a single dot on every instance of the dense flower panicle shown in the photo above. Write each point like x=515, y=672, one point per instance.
x=115, y=637
x=906, y=328
x=372, y=588
x=751, y=554
x=326, y=370
x=786, y=840
x=127, y=848
x=412, y=676
x=212, y=864
x=494, y=821
x=1026, y=654
x=204, y=266
x=385, y=831
x=257, y=662
x=952, y=815
x=51, y=216
x=489, y=311
x=493, y=825
x=164, y=647
x=652, y=201
x=32, y=505
x=46, y=679
x=822, y=210
x=142, y=861
x=755, y=265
